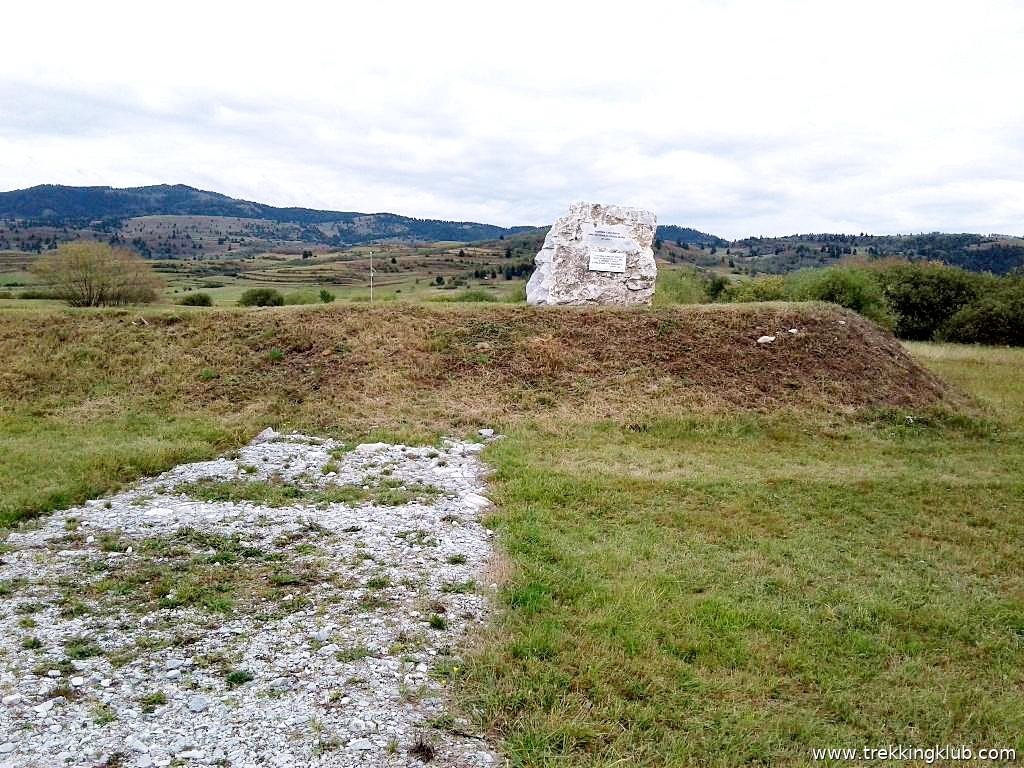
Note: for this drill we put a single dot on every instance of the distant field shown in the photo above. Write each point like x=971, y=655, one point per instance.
x=400, y=272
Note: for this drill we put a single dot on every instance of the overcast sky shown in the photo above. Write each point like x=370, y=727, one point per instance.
x=737, y=117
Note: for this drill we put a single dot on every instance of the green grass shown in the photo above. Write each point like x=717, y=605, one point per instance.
x=682, y=583
x=738, y=590
x=54, y=462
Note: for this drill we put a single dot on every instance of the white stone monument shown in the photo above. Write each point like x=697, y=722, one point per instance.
x=597, y=254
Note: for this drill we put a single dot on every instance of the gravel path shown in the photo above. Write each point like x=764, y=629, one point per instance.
x=300, y=604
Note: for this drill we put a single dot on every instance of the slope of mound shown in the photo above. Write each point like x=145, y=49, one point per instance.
x=445, y=367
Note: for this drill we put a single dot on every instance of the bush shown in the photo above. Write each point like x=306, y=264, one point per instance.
x=678, y=286
x=196, y=300
x=90, y=274
x=36, y=294
x=326, y=297
x=301, y=297
x=716, y=286
x=472, y=294
x=849, y=287
x=924, y=296
x=261, y=297
x=758, y=289
x=997, y=318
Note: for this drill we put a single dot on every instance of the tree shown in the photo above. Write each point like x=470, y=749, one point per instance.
x=924, y=296
x=93, y=274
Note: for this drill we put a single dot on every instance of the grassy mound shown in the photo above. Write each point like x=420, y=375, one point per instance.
x=713, y=552
x=442, y=368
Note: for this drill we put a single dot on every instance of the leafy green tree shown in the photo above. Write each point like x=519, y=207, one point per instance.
x=924, y=296
x=996, y=318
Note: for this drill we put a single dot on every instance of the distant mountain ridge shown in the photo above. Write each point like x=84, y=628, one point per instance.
x=81, y=205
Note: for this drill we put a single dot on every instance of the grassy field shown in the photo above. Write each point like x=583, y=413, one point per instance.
x=401, y=272
x=740, y=590
x=713, y=553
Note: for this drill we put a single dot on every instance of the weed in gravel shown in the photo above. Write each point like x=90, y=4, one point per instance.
x=64, y=691
x=418, y=537
x=153, y=700
x=355, y=653
x=459, y=587
x=9, y=586
x=110, y=541
x=266, y=493
x=391, y=492
x=456, y=560
x=79, y=648
x=437, y=622
x=31, y=643
x=103, y=714
x=378, y=582
x=237, y=677
x=422, y=749
x=71, y=606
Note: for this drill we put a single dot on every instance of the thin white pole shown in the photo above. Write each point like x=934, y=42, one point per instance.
x=371, y=277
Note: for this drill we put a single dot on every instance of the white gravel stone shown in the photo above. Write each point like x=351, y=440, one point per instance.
x=333, y=657
x=198, y=703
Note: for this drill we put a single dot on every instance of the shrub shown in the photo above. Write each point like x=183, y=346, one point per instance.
x=997, y=318
x=758, y=289
x=90, y=274
x=196, y=300
x=301, y=297
x=679, y=286
x=849, y=287
x=261, y=297
x=471, y=294
x=326, y=297
x=924, y=296
x=716, y=286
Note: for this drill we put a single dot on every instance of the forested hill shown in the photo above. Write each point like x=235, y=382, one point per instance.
x=999, y=254
x=81, y=206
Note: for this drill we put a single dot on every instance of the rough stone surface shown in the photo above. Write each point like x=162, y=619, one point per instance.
x=597, y=254
x=370, y=576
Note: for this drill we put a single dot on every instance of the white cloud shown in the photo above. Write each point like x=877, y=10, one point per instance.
x=734, y=116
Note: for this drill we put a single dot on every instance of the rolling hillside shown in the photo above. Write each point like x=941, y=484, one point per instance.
x=83, y=206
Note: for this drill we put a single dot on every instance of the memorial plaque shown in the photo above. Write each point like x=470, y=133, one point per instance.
x=597, y=254
x=607, y=261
